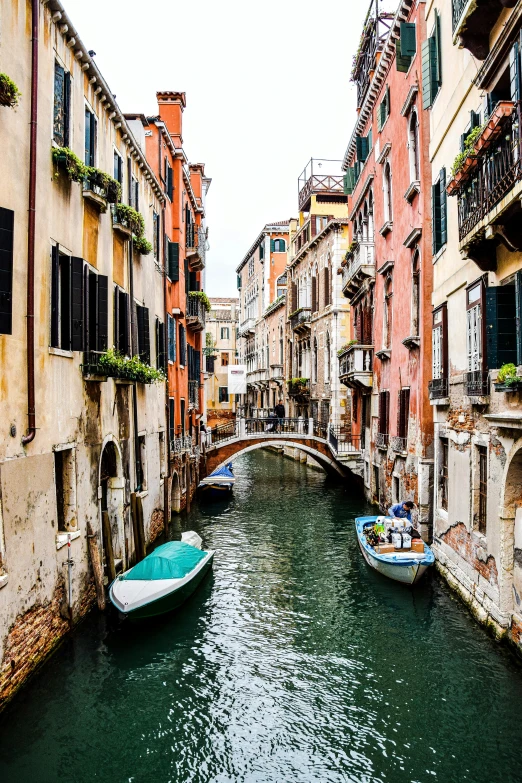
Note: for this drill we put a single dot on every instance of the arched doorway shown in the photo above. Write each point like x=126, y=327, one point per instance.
x=175, y=494
x=112, y=503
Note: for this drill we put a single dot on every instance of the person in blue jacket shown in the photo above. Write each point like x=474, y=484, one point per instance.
x=402, y=510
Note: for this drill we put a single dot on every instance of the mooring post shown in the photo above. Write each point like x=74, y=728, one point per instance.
x=96, y=567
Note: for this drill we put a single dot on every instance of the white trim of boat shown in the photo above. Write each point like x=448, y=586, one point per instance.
x=131, y=594
x=217, y=480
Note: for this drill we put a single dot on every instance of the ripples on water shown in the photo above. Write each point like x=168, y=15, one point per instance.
x=293, y=662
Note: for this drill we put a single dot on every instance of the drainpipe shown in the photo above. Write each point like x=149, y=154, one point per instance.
x=31, y=428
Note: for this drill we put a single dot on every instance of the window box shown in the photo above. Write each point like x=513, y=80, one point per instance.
x=509, y=387
x=127, y=221
x=101, y=365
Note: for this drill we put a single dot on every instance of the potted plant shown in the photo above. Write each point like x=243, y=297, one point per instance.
x=127, y=216
x=9, y=92
x=142, y=246
x=507, y=379
x=203, y=298
x=67, y=160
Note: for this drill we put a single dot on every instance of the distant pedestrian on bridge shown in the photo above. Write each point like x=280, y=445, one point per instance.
x=280, y=413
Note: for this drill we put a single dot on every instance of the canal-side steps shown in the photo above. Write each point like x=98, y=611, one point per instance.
x=336, y=451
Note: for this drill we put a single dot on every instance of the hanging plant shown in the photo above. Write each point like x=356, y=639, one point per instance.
x=67, y=160
x=142, y=246
x=105, y=182
x=130, y=218
x=203, y=298
x=468, y=151
x=115, y=365
x=9, y=92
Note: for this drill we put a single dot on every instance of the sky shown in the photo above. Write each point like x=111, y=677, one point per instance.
x=267, y=87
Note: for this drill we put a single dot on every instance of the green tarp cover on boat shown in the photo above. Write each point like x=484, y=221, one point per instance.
x=173, y=560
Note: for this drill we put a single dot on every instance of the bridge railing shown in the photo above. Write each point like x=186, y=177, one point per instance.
x=343, y=442
x=222, y=433
x=261, y=426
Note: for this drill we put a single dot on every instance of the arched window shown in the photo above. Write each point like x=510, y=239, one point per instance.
x=387, y=188
x=279, y=246
x=387, y=319
x=281, y=345
x=415, y=296
x=413, y=147
x=327, y=359
x=327, y=292
x=370, y=217
x=314, y=362
x=315, y=298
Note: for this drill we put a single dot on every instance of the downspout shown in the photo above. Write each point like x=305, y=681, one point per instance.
x=31, y=428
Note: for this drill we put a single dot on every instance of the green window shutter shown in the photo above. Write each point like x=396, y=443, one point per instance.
x=514, y=72
x=501, y=337
x=370, y=140
x=474, y=119
x=408, y=42
x=77, y=304
x=103, y=312
x=443, y=208
x=239, y=281
x=173, y=261
x=361, y=143
x=272, y=245
x=402, y=62
x=429, y=83
x=387, y=105
x=435, y=210
x=349, y=181
x=518, y=292
x=437, y=65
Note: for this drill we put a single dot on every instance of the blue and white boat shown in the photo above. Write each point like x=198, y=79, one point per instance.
x=405, y=566
x=219, y=484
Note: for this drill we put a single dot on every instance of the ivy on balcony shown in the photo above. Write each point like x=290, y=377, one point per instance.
x=113, y=364
x=9, y=92
x=78, y=171
x=203, y=298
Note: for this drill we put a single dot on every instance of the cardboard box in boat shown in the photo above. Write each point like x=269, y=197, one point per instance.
x=384, y=549
x=417, y=545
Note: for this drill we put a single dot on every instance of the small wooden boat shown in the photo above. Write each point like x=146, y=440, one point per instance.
x=402, y=565
x=163, y=580
x=219, y=484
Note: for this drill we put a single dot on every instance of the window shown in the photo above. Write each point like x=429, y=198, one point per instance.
x=405, y=47
x=6, y=270
x=121, y=321
x=173, y=261
x=383, y=110
x=156, y=235
x=384, y=417
x=279, y=245
x=143, y=329
x=261, y=251
x=134, y=193
x=160, y=345
x=387, y=314
x=79, y=306
x=62, y=106
x=225, y=333
x=413, y=147
x=171, y=326
x=314, y=361
x=224, y=359
x=118, y=167
x=168, y=179
x=172, y=421
x=431, y=66
x=363, y=146
x=223, y=394
x=162, y=454
x=141, y=478
x=387, y=190
x=182, y=416
x=396, y=493
x=90, y=137
x=251, y=267
x=327, y=359
x=438, y=206
x=315, y=303
x=443, y=481
x=474, y=326
x=482, y=489
x=376, y=483
x=65, y=483
x=182, y=346
x=415, y=296
x=403, y=413
x=503, y=310
x=440, y=343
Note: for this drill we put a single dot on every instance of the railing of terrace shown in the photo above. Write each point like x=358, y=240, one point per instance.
x=343, y=442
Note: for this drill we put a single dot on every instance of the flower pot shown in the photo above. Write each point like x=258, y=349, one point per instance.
x=112, y=192
x=508, y=387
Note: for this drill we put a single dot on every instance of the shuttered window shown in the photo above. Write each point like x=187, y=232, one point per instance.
x=440, y=343
x=403, y=413
x=439, y=212
x=173, y=260
x=171, y=337
x=431, y=65
x=79, y=305
x=349, y=181
x=225, y=333
x=384, y=412
x=90, y=137
x=142, y=321
x=502, y=336
x=6, y=270
x=118, y=167
x=402, y=61
x=172, y=421
x=383, y=110
x=168, y=179
x=362, y=148
x=62, y=105
x=121, y=321
x=160, y=345
x=182, y=345
x=156, y=235
x=223, y=394
x=474, y=327
x=408, y=39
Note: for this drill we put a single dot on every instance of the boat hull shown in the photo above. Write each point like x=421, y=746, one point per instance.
x=215, y=491
x=406, y=568
x=170, y=601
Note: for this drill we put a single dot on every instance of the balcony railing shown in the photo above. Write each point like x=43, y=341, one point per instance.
x=299, y=388
x=196, y=244
x=343, y=442
x=375, y=31
x=399, y=444
x=257, y=376
x=246, y=326
x=476, y=383
x=276, y=371
x=181, y=444
x=356, y=365
x=381, y=440
x=193, y=393
x=360, y=265
x=300, y=319
x=222, y=433
x=495, y=172
x=196, y=313
x=438, y=388
x=313, y=179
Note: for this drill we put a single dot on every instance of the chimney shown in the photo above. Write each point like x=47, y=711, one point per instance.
x=197, y=172
x=171, y=105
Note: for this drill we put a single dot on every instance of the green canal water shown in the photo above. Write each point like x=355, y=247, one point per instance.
x=293, y=662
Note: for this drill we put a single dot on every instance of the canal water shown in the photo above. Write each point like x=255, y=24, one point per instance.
x=293, y=662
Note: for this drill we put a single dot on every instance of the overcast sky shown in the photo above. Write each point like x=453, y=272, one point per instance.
x=267, y=88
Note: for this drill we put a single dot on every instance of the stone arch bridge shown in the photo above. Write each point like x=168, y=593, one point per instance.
x=337, y=453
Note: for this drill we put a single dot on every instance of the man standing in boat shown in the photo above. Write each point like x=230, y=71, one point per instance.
x=402, y=510
x=280, y=413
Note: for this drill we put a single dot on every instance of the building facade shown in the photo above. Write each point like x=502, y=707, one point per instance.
x=261, y=280
x=387, y=271
x=318, y=321
x=471, y=94
x=221, y=351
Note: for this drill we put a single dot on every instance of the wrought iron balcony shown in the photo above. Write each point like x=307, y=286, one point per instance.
x=195, y=246
x=360, y=265
x=181, y=444
x=473, y=22
x=356, y=366
x=438, y=388
x=399, y=444
x=375, y=31
x=476, y=383
x=314, y=181
x=299, y=388
x=381, y=440
x=193, y=393
x=492, y=172
x=196, y=313
x=300, y=319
